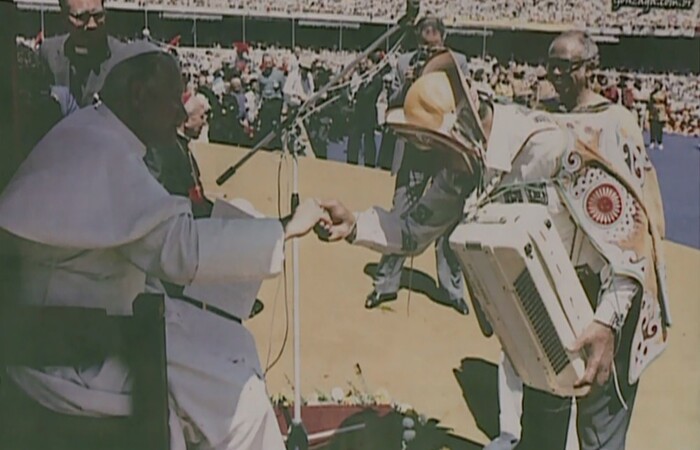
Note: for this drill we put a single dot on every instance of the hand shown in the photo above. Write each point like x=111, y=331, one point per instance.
x=599, y=342
x=307, y=215
x=342, y=221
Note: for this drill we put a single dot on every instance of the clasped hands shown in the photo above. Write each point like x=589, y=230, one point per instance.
x=331, y=220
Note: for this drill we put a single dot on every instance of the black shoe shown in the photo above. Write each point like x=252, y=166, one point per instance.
x=375, y=299
x=460, y=306
x=258, y=306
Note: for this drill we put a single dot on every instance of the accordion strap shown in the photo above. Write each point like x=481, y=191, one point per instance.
x=481, y=196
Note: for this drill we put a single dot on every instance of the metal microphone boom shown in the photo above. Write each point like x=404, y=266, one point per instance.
x=406, y=21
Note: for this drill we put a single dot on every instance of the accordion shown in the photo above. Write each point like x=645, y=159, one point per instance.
x=520, y=274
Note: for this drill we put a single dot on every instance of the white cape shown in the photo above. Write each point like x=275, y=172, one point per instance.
x=85, y=186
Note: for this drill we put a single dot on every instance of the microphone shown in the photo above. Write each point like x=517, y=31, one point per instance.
x=409, y=19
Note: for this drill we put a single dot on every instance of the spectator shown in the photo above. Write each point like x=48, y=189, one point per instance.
x=522, y=93
x=627, y=93
x=545, y=94
x=271, y=81
x=480, y=84
x=503, y=88
x=658, y=114
x=610, y=90
x=364, y=121
x=299, y=85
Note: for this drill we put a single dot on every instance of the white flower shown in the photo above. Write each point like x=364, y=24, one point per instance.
x=382, y=397
x=337, y=394
x=403, y=408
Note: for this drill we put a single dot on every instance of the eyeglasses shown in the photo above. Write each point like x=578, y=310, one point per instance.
x=564, y=65
x=83, y=18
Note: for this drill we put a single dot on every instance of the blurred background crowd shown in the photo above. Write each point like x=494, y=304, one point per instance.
x=253, y=80
x=591, y=13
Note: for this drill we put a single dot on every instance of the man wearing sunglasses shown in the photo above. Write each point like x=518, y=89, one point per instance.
x=612, y=129
x=80, y=59
x=601, y=201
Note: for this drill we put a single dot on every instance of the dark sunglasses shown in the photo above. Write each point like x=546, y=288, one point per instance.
x=565, y=65
x=84, y=17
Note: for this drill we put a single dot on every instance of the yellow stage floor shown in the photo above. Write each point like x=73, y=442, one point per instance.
x=412, y=349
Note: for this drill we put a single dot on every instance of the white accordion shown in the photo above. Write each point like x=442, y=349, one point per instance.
x=520, y=273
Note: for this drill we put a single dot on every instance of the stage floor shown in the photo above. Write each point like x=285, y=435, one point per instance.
x=421, y=352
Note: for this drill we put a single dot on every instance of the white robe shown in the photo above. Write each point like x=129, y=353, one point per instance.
x=89, y=223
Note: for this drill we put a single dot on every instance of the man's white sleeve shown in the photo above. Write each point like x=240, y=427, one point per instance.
x=410, y=233
x=616, y=301
x=183, y=250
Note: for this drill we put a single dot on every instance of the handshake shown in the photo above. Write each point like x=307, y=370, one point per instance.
x=330, y=219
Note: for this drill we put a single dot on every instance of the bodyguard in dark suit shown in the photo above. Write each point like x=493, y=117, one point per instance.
x=81, y=59
x=416, y=169
x=364, y=120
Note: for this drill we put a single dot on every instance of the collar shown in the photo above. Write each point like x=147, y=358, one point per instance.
x=118, y=127
x=500, y=143
x=593, y=107
x=183, y=137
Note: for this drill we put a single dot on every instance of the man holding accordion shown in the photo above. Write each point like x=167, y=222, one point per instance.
x=595, y=198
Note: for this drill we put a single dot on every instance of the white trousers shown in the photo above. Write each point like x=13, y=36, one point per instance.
x=218, y=399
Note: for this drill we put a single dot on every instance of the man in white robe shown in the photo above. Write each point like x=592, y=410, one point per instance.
x=602, y=216
x=89, y=223
x=573, y=56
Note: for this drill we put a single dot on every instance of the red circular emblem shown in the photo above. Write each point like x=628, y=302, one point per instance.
x=604, y=204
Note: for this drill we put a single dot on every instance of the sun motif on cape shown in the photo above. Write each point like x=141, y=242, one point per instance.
x=604, y=204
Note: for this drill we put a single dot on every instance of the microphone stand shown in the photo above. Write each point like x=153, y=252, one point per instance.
x=297, y=438
x=290, y=121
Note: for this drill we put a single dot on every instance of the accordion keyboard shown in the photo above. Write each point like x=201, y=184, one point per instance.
x=541, y=322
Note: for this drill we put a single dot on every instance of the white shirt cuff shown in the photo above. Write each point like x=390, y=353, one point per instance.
x=615, y=302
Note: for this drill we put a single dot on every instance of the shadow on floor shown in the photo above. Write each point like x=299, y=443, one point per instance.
x=418, y=282
x=545, y=417
x=384, y=432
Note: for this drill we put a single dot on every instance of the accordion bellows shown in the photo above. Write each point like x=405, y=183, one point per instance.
x=520, y=273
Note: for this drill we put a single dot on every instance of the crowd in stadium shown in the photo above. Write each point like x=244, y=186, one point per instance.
x=223, y=74
x=241, y=102
x=592, y=13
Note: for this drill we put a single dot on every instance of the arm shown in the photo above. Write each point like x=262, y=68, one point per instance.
x=615, y=302
x=599, y=337
x=397, y=82
x=182, y=250
x=289, y=87
x=409, y=234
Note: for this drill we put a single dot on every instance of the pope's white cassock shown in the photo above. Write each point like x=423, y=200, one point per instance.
x=89, y=224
